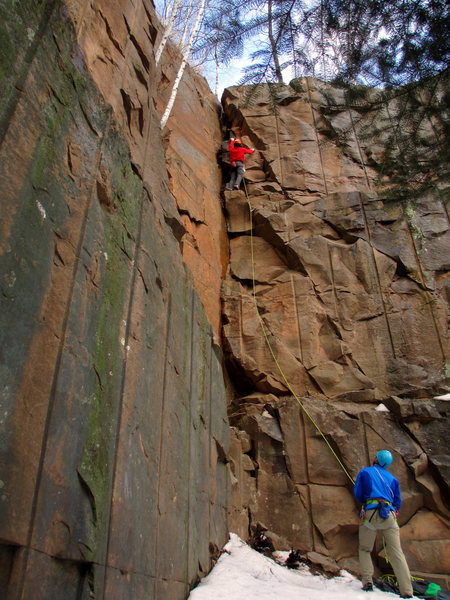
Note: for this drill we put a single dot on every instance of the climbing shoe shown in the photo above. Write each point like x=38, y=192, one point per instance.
x=368, y=587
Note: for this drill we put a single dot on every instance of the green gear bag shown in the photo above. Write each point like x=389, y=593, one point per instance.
x=432, y=590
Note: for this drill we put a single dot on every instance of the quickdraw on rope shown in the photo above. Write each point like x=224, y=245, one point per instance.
x=269, y=346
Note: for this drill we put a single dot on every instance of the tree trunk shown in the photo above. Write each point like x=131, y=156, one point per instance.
x=187, y=19
x=273, y=44
x=167, y=31
x=186, y=53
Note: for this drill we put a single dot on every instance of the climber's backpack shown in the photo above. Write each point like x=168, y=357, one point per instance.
x=429, y=590
x=421, y=588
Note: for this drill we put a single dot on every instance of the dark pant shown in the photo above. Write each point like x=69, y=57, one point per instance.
x=237, y=173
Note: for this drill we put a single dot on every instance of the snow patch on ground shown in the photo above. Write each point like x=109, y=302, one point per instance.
x=241, y=573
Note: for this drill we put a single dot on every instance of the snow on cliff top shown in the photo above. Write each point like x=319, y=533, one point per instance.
x=242, y=573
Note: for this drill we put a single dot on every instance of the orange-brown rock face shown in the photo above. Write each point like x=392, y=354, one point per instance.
x=335, y=294
x=117, y=41
x=113, y=426
x=113, y=433
x=192, y=137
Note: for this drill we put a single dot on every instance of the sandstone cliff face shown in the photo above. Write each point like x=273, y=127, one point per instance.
x=117, y=42
x=191, y=140
x=114, y=438
x=112, y=403
x=349, y=310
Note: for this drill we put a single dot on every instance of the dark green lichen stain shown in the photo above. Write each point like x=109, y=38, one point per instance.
x=19, y=23
x=42, y=207
x=97, y=463
x=39, y=207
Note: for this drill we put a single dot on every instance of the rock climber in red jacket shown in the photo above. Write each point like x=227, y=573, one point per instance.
x=237, y=157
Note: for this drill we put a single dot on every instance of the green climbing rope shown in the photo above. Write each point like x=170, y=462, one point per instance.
x=269, y=346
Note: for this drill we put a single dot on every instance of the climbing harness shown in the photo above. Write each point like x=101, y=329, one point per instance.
x=269, y=346
x=375, y=501
x=384, y=509
x=365, y=521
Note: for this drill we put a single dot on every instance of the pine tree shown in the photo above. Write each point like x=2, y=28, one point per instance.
x=389, y=54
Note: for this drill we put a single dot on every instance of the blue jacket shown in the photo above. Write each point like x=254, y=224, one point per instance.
x=376, y=482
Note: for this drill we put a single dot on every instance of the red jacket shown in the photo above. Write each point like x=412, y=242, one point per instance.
x=238, y=153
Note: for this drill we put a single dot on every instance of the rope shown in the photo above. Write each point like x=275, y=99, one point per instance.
x=386, y=555
x=269, y=346
x=391, y=578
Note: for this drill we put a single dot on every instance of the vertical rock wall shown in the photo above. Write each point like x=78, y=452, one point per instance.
x=112, y=404
x=114, y=438
x=192, y=137
x=117, y=42
x=338, y=293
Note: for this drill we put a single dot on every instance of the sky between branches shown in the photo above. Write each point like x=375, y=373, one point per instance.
x=374, y=42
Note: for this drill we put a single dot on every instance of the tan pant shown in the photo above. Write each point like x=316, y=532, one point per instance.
x=391, y=534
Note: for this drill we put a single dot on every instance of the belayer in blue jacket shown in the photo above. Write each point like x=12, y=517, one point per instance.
x=379, y=492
